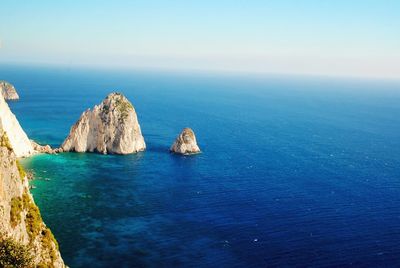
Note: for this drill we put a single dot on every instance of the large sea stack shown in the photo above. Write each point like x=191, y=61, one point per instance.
x=111, y=127
x=185, y=143
x=8, y=91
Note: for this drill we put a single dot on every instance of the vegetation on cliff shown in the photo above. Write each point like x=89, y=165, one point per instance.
x=25, y=241
x=123, y=105
x=35, y=227
x=21, y=170
x=15, y=255
x=4, y=141
x=15, y=212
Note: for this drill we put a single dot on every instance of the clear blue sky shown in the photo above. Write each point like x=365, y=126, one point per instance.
x=334, y=37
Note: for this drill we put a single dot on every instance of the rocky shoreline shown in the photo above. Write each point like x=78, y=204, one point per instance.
x=112, y=127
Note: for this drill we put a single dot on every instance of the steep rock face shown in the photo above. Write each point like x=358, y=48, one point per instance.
x=111, y=127
x=8, y=91
x=20, y=218
x=18, y=139
x=185, y=143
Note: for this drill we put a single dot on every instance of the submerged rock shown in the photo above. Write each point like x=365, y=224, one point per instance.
x=111, y=127
x=8, y=91
x=185, y=143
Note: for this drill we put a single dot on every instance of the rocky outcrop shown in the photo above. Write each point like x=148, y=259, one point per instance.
x=111, y=127
x=20, y=219
x=185, y=143
x=44, y=149
x=8, y=91
x=19, y=141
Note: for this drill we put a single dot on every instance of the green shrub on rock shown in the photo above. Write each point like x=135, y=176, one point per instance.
x=21, y=170
x=33, y=219
x=15, y=212
x=14, y=255
x=4, y=141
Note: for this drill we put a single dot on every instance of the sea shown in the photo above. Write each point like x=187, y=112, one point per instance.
x=294, y=171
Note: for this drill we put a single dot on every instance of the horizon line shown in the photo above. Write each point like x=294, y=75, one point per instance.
x=198, y=70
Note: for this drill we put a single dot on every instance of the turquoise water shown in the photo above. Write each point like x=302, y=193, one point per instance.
x=294, y=171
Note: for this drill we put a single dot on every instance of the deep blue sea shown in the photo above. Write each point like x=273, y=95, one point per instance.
x=294, y=171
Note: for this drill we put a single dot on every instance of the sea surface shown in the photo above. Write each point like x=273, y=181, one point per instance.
x=294, y=171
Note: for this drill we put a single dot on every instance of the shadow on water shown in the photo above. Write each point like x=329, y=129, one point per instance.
x=157, y=148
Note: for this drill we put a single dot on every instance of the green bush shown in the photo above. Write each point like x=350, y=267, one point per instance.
x=47, y=240
x=33, y=219
x=14, y=255
x=21, y=170
x=123, y=106
x=15, y=212
x=34, y=226
x=4, y=141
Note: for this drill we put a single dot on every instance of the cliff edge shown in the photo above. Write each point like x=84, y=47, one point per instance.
x=18, y=139
x=25, y=240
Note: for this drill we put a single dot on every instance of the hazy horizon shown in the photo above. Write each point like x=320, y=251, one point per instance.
x=358, y=39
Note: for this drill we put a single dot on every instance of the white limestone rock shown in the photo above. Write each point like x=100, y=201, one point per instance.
x=18, y=139
x=44, y=149
x=111, y=127
x=8, y=91
x=185, y=143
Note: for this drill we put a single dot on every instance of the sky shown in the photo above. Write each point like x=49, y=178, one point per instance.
x=318, y=37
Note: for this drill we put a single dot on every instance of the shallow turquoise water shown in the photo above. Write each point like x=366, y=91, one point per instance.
x=294, y=171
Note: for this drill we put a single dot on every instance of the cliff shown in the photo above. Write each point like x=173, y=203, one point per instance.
x=111, y=127
x=20, y=220
x=8, y=91
x=19, y=141
x=185, y=143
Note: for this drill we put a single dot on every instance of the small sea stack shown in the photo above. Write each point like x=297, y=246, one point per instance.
x=185, y=143
x=44, y=149
x=8, y=91
x=109, y=128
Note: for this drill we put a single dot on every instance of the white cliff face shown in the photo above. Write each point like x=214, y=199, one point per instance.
x=18, y=139
x=8, y=91
x=185, y=143
x=111, y=127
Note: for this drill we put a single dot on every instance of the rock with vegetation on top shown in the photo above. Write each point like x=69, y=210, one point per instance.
x=185, y=143
x=8, y=91
x=111, y=127
x=19, y=141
